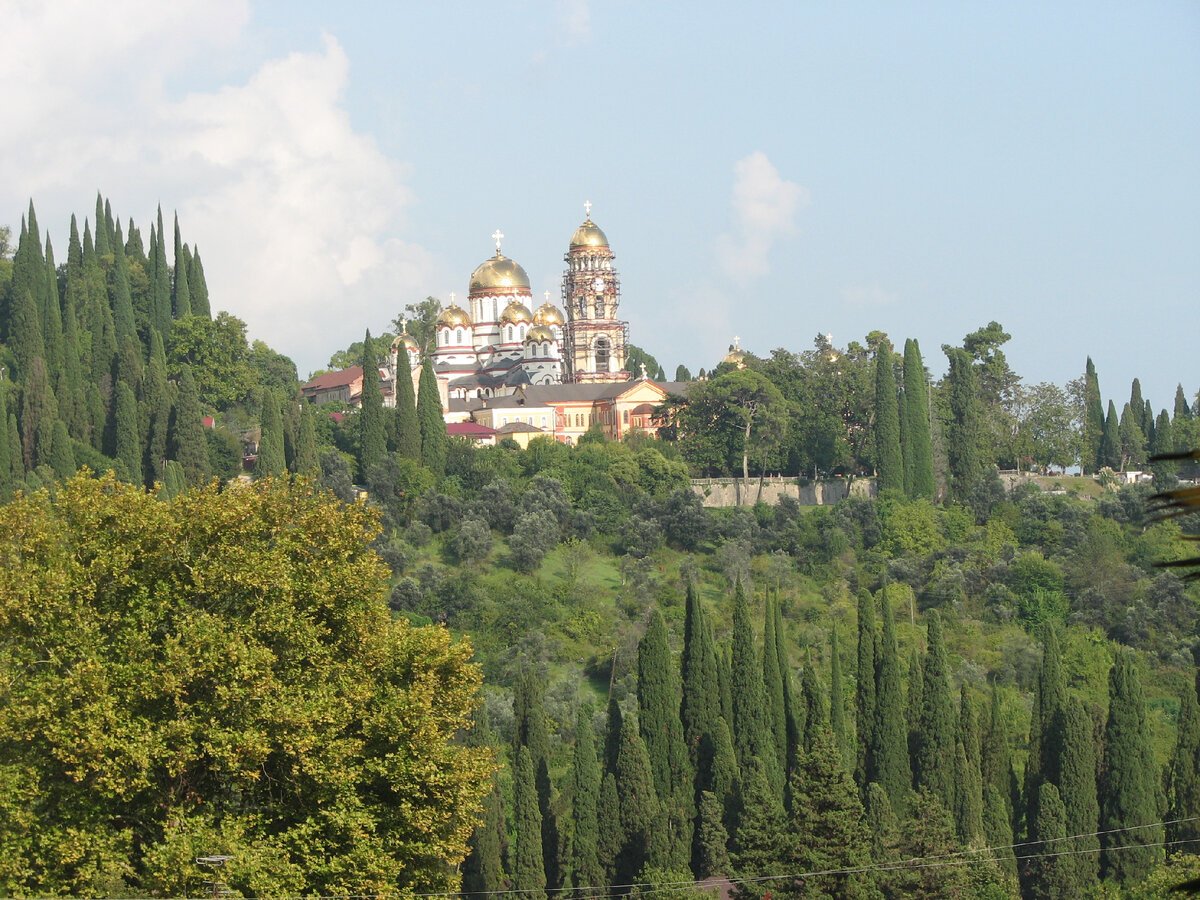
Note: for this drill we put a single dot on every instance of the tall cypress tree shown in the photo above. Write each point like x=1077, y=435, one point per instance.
x=433, y=426
x=51, y=310
x=181, y=299
x=700, y=705
x=270, y=460
x=889, y=462
x=8, y=481
x=816, y=717
x=62, y=454
x=749, y=726
x=773, y=704
x=125, y=326
x=998, y=830
x=1093, y=420
x=609, y=836
x=641, y=817
x=197, y=287
x=408, y=425
x=837, y=703
x=1051, y=873
x=483, y=869
x=531, y=731
x=864, y=687
x=128, y=442
x=1069, y=757
x=529, y=876
x=160, y=281
x=968, y=781
x=307, y=461
x=584, y=869
x=1182, y=410
x=918, y=446
x=933, y=764
x=372, y=444
x=156, y=400
x=996, y=763
x=1110, y=439
x=103, y=243
x=662, y=733
x=25, y=328
x=888, y=762
x=188, y=444
x=1129, y=780
x=712, y=840
x=1049, y=697
x=39, y=412
x=964, y=430
x=760, y=841
x=1184, y=772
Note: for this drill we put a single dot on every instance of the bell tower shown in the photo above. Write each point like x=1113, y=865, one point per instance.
x=595, y=337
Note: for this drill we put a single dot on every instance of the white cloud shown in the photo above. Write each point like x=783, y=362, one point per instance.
x=764, y=210
x=574, y=21
x=867, y=295
x=297, y=215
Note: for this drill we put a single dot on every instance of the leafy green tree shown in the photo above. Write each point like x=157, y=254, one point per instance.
x=1184, y=772
x=216, y=352
x=420, y=320
x=583, y=867
x=864, y=686
x=732, y=419
x=284, y=667
x=933, y=762
x=889, y=460
x=408, y=425
x=1129, y=781
x=918, y=443
x=433, y=426
x=528, y=872
x=887, y=755
x=270, y=446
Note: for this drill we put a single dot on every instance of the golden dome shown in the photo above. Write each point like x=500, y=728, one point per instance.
x=454, y=316
x=515, y=313
x=539, y=333
x=548, y=314
x=735, y=357
x=409, y=342
x=588, y=235
x=499, y=273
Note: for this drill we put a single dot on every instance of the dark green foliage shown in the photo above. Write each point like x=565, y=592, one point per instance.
x=889, y=461
x=812, y=698
x=837, y=703
x=62, y=455
x=124, y=323
x=181, y=300
x=1093, y=420
x=749, y=727
x=1069, y=761
x=156, y=404
x=929, y=832
x=864, y=687
x=888, y=760
x=642, y=837
x=723, y=777
x=39, y=412
x=160, y=279
x=433, y=426
x=1051, y=875
x=610, y=835
x=307, y=461
x=774, y=707
x=270, y=446
x=128, y=443
x=882, y=826
x=372, y=438
x=1110, y=440
x=792, y=727
x=918, y=445
x=964, y=430
x=700, y=704
x=408, y=425
x=530, y=730
x=528, y=872
x=1048, y=700
x=996, y=762
x=583, y=866
x=933, y=761
x=188, y=444
x=968, y=782
x=997, y=829
x=712, y=856
x=1129, y=780
x=1184, y=771
x=483, y=869
x=7, y=462
x=174, y=482
x=760, y=842
x=197, y=287
x=25, y=330
x=682, y=373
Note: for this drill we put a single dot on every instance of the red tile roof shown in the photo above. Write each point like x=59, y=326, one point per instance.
x=332, y=380
x=469, y=429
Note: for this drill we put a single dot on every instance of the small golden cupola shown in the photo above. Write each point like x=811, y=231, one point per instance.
x=539, y=333
x=453, y=316
x=409, y=342
x=736, y=356
x=516, y=313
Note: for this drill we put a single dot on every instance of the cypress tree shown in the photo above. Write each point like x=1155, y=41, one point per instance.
x=17, y=470
x=614, y=719
x=110, y=223
x=773, y=688
x=723, y=681
x=929, y=833
x=197, y=288
x=724, y=779
x=372, y=445
x=912, y=709
x=918, y=442
x=1163, y=442
x=887, y=755
x=62, y=454
x=7, y=479
x=125, y=327
x=188, y=444
x=1069, y=757
x=103, y=244
x=307, y=461
x=270, y=446
x=641, y=832
x=433, y=426
x=997, y=829
x=889, y=462
x=700, y=705
x=816, y=718
x=933, y=767
x=749, y=726
x=483, y=869
x=826, y=825
x=408, y=425
x=1093, y=420
x=531, y=731
x=39, y=412
x=128, y=444
x=181, y=300
x=72, y=407
x=792, y=727
x=1051, y=874
x=584, y=869
x=882, y=825
x=157, y=403
x=174, y=482
x=610, y=836
x=1183, y=410
x=1184, y=771
x=51, y=312
x=160, y=281
x=529, y=875
x=25, y=328
x=1048, y=700
x=964, y=432
x=760, y=842
x=1110, y=439
x=1138, y=404
x=662, y=732
x=712, y=840
x=1129, y=781
x=864, y=687
x=837, y=703
x=996, y=763
x=968, y=782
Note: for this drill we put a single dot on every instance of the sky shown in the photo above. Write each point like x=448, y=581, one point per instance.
x=769, y=171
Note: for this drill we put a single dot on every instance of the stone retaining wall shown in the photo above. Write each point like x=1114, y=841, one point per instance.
x=731, y=491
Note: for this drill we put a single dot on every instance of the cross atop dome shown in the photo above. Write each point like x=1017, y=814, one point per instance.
x=587, y=209
x=452, y=295
x=497, y=236
x=547, y=296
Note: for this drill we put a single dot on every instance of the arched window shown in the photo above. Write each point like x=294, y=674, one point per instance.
x=545, y=349
x=603, y=348
x=510, y=332
x=521, y=333
x=458, y=336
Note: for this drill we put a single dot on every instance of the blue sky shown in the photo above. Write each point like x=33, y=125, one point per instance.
x=765, y=170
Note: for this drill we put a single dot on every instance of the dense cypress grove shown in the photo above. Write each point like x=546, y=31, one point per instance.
x=528, y=872
x=1049, y=698
x=583, y=866
x=128, y=443
x=1129, y=780
x=995, y=766
x=864, y=686
x=889, y=463
x=918, y=442
x=933, y=761
x=1110, y=440
x=888, y=759
x=372, y=430
x=433, y=426
x=408, y=426
x=530, y=731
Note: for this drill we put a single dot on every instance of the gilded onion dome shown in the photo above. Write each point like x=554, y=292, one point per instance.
x=454, y=316
x=410, y=344
x=539, y=333
x=588, y=235
x=735, y=356
x=516, y=313
x=548, y=314
x=499, y=273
